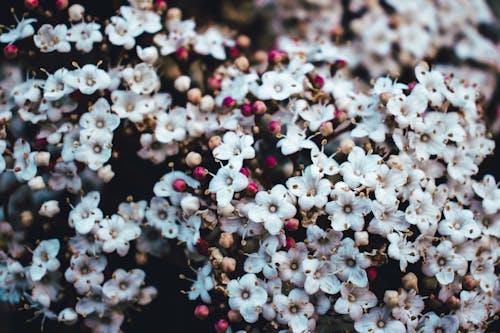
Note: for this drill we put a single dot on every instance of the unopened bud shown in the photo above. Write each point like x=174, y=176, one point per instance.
x=252, y=187
x=246, y=110
x=221, y=326
x=292, y=225
x=326, y=128
x=226, y=240
x=193, y=159
x=259, y=107
x=147, y=54
x=243, y=41
x=391, y=298
x=36, y=183
x=228, y=102
x=42, y=158
x=179, y=185
x=174, y=14
x=61, y=4
x=346, y=146
x=228, y=264
x=242, y=63
x=105, y=173
x=234, y=316
x=410, y=281
x=361, y=238
x=49, y=208
x=26, y=218
x=214, y=141
x=201, y=311
x=76, y=12
x=194, y=95
x=10, y=51
x=469, y=283
x=274, y=126
x=200, y=172
x=207, y=103
x=270, y=162
x=453, y=303
x=31, y=4
x=182, y=83
x=190, y=204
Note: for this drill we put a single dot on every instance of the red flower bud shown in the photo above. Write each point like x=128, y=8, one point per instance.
x=290, y=242
x=221, y=326
x=10, y=51
x=201, y=311
x=274, y=126
x=31, y=4
x=246, y=110
x=182, y=54
x=252, y=187
x=179, y=185
x=228, y=102
x=292, y=225
x=371, y=273
x=245, y=171
x=270, y=162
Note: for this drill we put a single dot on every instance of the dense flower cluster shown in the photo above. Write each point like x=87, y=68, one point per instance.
x=289, y=184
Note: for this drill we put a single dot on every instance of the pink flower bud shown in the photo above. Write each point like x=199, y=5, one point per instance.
x=228, y=102
x=202, y=247
x=234, y=52
x=371, y=273
x=221, y=326
x=252, y=187
x=61, y=4
x=292, y=225
x=290, y=242
x=259, y=107
x=274, y=126
x=234, y=316
x=199, y=172
x=31, y=4
x=10, y=51
x=161, y=5
x=318, y=82
x=412, y=85
x=340, y=63
x=214, y=83
x=245, y=171
x=182, y=54
x=201, y=311
x=453, y=302
x=276, y=56
x=246, y=110
x=270, y=162
x=179, y=185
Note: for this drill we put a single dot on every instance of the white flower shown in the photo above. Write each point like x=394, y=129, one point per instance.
x=459, y=165
x=379, y=320
x=354, y=300
x=55, y=86
x=86, y=214
x=85, y=35
x=163, y=217
x=317, y=114
x=325, y=164
x=246, y=296
x=294, y=310
x=24, y=166
x=44, y=259
x=121, y=33
x=147, y=54
x=123, y=286
x=358, y=166
x=142, y=79
x=99, y=118
x=350, y=263
x=387, y=182
x=235, y=148
x=203, y=284
x=261, y=261
x=406, y=109
x=141, y=20
x=487, y=190
x=409, y=307
x=88, y=79
x=49, y=208
x=311, y=189
x=422, y=211
x=180, y=34
x=386, y=218
x=347, y=209
x=433, y=82
x=212, y=42
x=164, y=187
x=402, y=250
x=473, y=310
x=277, y=86
x=49, y=38
x=459, y=224
x=22, y=30
x=322, y=242
x=85, y=272
x=320, y=276
x=294, y=140
x=431, y=323
x=94, y=149
x=272, y=208
x=290, y=264
x=154, y=150
x=116, y=234
x=226, y=182
x=442, y=262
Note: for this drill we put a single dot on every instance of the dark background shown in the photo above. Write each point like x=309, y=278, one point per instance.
x=170, y=311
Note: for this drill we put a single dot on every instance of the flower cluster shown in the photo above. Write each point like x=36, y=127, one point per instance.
x=291, y=186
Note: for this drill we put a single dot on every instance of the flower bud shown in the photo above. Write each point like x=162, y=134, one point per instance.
x=361, y=238
x=228, y=264
x=199, y=172
x=246, y=110
x=182, y=83
x=221, y=326
x=31, y=4
x=160, y=5
x=226, y=210
x=469, y=283
x=346, y=146
x=391, y=298
x=194, y=95
x=453, y=302
x=326, y=128
x=202, y=247
x=201, y=311
x=193, y=159
x=259, y=107
x=49, y=208
x=287, y=169
x=174, y=14
x=276, y=56
x=147, y=54
x=10, y=51
x=243, y=41
x=75, y=12
x=245, y=171
x=234, y=316
x=214, y=83
x=340, y=63
x=42, y=158
x=67, y=316
x=214, y=141
x=260, y=56
x=410, y=281
x=289, y=242
x=190, y=204
x=226, y=240
x=36, y=183
x=292, y=225
x=242, y=63
x=105, y=173
x=430, y=282
x=252, y=187
x=371, y=273
x=385, y=97
x=318, y=82
x=340, y=115
x=274, y=126
x=270, y=162
x=234, y=52
x=207, y=103
x=61, y=4
x=228, y=102
x=179, y=185
x=182, y=54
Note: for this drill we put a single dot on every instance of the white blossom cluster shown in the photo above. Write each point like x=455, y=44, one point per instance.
x=290, y=185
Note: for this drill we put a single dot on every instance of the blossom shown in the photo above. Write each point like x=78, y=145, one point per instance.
x=246, y=296
x=85, y=35
x=22, y=30
x=235, y=148
x=44, y=259
x=317, y=114
x=290, y=264
x=164, y=187
x=350, y=263
x=180, y=34
x=379, y=320
x=121, y=33
x=24, y=166
x=212, y=42
x=431, y=322
x=294, y=140
x=272, y=208
x=323, y=242
x=276, y=85
x=226, y=182
x=354, y=300
x=142, y=79
x=88, y=79
x=402, y=250
x=123, y=286
x=171, y=126
x=49, y=38
x=358, y=166
x=84, y=216
x=85, y=272
x=320, y=276
x=116, y=234
x=294, y=309
x=489, y=192
x=459, y=224
x=202, y=285
x=442, y=262
x=311, y=189
x=347, y=210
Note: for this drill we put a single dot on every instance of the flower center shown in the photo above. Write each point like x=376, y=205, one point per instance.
x=424, y=138
x=245, y=295
x=380, y=324
x=347, y=209
x=273, y=208
x=350, y=262
x=351, y=298
x=442, y=261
